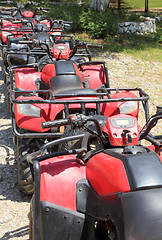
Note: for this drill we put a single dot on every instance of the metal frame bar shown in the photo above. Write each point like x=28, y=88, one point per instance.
x=143, y=98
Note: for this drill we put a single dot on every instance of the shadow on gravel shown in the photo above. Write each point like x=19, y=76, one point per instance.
x=3, y=102
x=24, y=231
x=4, y=114
x=8, y=163
x=9, y=189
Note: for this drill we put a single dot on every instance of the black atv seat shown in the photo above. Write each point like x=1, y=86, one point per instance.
x=79, y=91
x=65, y=68
x=65, y=82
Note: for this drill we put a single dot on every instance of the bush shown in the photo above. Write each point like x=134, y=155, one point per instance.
x=100, y=24
x=67, y=13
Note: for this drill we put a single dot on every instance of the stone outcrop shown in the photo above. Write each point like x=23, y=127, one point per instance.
x=146, y=26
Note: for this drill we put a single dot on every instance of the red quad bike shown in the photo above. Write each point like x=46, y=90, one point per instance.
x=28, y=43
x=66, y=93
x=53, y=48
x=22, y=19
x=29, y=80
x=105, y=186
x=33, y=30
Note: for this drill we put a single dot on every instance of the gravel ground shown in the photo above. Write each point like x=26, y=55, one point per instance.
x=14, y=208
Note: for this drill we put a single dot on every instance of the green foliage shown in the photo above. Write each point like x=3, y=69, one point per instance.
x=100, y=24
x=67, y=13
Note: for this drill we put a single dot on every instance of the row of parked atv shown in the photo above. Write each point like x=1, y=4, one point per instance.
x=78, y=140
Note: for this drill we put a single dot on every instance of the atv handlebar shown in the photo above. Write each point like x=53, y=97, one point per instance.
x=84, y=45
x=55, y=123
x=94, y=46
x=75, y=120
x=150, y=124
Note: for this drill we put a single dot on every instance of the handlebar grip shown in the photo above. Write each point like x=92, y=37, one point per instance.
x=26, y=42
x=67, y=22
x=7, y=9
x=55, y=123
x=94, y=46
x=16, y=22
x=45, y=11
x=46, y=8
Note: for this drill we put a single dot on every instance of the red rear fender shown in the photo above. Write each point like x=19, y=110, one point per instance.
x=59, y=176
x=48, y=72
x=95, y=74
x=25, y=78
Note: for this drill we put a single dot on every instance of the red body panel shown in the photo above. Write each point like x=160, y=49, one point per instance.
x=29, y=14
x=10, y=30
x=116, y=132
x=48, y=72
x=95, y=75
x=112, y=108
x=48, y=113
x=107, y=174
x=61, y=51
x=33, y=123
x=46, y=22
x=59, y=176
x=25, y=78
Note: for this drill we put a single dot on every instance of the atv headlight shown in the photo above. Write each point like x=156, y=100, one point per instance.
x=128, y=107
x=29, y=110
x=56, y=33
x=5, y=34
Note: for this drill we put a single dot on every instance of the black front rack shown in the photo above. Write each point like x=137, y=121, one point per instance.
x=101, y=96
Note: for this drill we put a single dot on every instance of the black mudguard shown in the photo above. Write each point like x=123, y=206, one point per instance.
x=61, y=223
x=142, y=214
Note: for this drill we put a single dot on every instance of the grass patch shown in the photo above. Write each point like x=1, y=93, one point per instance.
x=141, y=3
x=148, y=47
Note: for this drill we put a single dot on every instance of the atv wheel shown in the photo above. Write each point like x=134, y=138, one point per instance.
x=24, y=148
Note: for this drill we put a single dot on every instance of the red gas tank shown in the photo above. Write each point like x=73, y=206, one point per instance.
x=107, y=174
x=29, y=14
